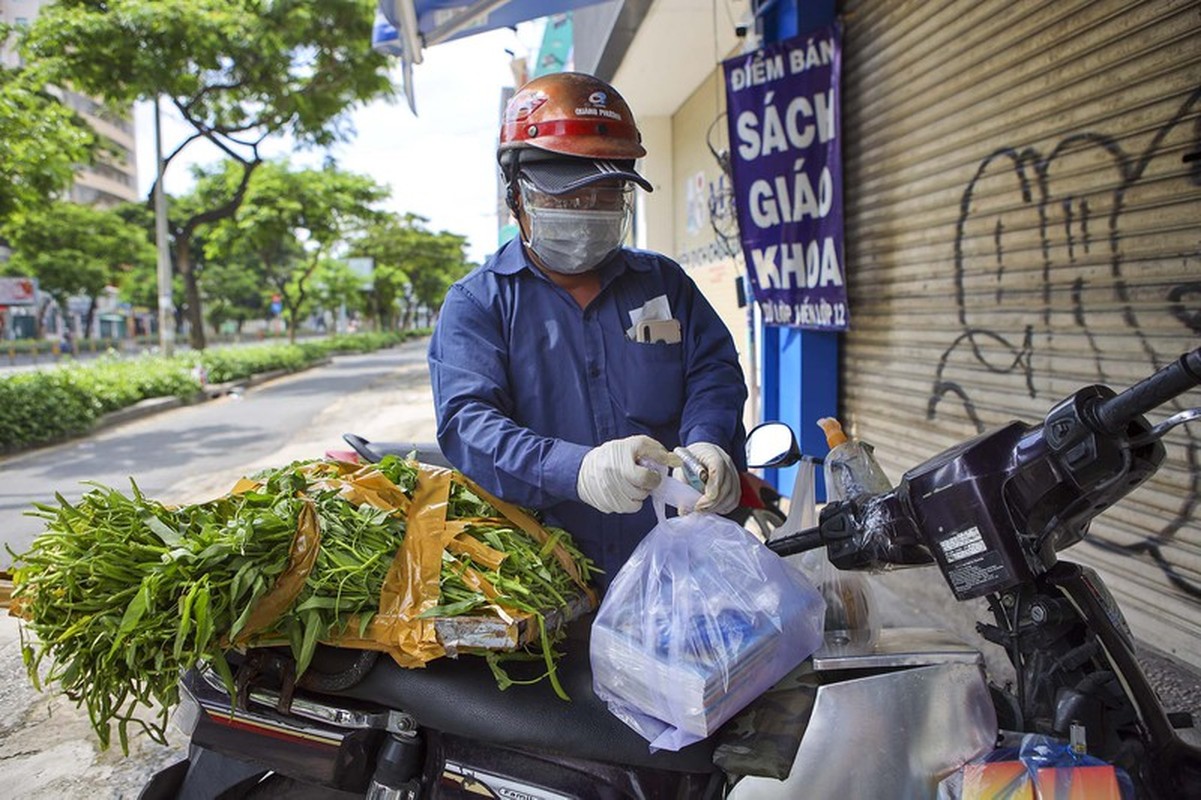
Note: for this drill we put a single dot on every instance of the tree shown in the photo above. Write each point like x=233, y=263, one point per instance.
x=413, y=266
x=336, y=285
x=233, y=292
x=237, y=71
x=289, y=222
x=76, y=250
x=139, y=285
x=437, y=265
x=42, y=143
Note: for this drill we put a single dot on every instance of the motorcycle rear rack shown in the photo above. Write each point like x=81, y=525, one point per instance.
x=281, y=710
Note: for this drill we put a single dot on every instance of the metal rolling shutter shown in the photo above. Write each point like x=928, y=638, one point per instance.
x=1021, y=220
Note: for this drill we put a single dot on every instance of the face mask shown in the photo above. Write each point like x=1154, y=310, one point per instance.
x=572, y=241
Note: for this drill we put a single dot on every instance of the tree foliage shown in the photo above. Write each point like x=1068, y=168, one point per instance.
x=336, y=285
x=74, y=249
x=237, y=71
x=42, y=143
x=413, y=266
x=233, y=293
x=289, y=223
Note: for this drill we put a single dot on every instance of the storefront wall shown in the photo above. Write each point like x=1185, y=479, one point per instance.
x=705, y=241
x=1022, y=220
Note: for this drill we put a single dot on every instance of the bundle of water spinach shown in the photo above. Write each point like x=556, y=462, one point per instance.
x=121, y=592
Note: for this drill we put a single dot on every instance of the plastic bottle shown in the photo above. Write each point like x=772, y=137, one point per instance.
x=850, y=470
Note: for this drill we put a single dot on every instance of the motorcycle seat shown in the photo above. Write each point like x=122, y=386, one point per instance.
x=460, y=696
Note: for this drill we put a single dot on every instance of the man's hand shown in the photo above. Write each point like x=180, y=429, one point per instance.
x=611, y=479
x=722, y=489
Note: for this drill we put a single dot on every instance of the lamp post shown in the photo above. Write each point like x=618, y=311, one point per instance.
x=166, y=305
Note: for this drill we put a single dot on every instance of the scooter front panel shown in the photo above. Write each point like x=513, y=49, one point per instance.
x=892, y=735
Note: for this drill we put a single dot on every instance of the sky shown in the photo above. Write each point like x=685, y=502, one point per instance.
x=440, y=164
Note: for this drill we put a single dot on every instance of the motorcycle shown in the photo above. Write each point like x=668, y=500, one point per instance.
x=881, y=716
x=993, y=513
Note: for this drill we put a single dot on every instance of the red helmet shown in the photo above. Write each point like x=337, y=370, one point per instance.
x=570, y=114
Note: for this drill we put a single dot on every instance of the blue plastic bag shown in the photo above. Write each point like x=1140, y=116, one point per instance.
x=699, y=622
x=1041, y=767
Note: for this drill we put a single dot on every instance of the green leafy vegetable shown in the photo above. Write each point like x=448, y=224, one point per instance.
x=122, y=593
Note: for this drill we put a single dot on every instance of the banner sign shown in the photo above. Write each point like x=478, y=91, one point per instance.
x=18, y=292
x=784, y=125
x=364, y=269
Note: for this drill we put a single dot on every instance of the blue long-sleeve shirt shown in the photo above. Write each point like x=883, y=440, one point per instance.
x=526, y=382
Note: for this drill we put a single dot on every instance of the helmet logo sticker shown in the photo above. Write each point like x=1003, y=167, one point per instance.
x=597, y=102
x=594, y=111
x=521, y=107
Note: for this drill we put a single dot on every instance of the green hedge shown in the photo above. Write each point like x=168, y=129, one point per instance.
x=42, y=406
x=233, y=363
x=55, y=403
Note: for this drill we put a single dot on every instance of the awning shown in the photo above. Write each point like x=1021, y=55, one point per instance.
x=404, y=27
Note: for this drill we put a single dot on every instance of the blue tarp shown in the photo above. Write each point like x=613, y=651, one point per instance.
x=404, y=27
x=469, y=17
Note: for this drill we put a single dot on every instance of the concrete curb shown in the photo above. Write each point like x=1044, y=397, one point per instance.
x=142, y=408
x=212, y=391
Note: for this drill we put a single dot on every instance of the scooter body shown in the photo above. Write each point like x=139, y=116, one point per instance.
x=914, y=699
x=366, y=727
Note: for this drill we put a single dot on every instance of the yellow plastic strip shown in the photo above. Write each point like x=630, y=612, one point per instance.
x=412, y=585
x=467, y=545
x=366, y=486
x=531, y=527
x=476, y=581
x=280, y=597
x=244, y=485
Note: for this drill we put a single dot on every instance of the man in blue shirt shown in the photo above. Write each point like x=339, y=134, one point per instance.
x=566, y=359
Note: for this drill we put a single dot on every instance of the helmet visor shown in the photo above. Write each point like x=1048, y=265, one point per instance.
x=609, y=195
x=559, y=175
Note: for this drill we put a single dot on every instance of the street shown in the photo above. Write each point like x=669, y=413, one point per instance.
x=47, y=748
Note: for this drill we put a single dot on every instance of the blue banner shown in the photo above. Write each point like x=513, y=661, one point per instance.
x=786, y=160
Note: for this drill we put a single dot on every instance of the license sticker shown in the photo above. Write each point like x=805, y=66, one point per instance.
x=964, y=544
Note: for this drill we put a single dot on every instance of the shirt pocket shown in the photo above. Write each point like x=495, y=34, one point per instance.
x=653, y=385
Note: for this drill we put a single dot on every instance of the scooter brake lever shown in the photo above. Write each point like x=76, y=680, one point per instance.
x=1188, y=415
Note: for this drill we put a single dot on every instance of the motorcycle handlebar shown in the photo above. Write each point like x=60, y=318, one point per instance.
x=1114, y=414
x=799, y=542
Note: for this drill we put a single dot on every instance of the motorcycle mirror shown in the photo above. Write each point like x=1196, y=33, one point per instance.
x=772, y=444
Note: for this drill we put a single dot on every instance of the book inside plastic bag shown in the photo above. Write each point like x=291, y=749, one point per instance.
x=699, y=622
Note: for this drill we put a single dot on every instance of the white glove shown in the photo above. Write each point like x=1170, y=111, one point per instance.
x=723, y=488
x=612, y=481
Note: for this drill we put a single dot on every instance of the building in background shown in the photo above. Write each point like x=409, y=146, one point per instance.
x=113, y=178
